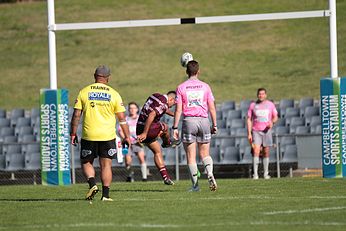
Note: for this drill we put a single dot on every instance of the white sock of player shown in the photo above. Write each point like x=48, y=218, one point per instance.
x=255, y=165
x=144, y=171
x=193, y=174
x=208, y=165
x=266, y=165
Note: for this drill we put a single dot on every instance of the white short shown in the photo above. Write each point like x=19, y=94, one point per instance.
x=262, y=138
x=136, y=148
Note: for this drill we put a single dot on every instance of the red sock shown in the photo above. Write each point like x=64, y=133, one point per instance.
x=164, y=173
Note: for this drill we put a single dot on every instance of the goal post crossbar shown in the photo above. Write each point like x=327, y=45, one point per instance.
x=196, y=20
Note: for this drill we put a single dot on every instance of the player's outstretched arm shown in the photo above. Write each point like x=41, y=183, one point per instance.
x=74, y=125
x=147, y=125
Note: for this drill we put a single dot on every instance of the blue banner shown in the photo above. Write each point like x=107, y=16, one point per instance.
x=55, y=143
x=333, y=126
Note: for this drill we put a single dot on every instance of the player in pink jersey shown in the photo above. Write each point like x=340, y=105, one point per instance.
x=195, y=100
x=136, y=148
x=261, y=117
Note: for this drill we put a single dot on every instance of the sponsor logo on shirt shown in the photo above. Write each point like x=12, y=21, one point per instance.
x=194, y=98
x=101, y=96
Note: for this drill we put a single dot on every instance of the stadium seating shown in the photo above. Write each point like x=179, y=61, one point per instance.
x=228, y=105
x=291, y=112
x=6, y=131
x=27, y=138
x=2, y=162
x=305, y=102
x=30, y=148
x=32, y=161
x=2, y=113
x=5, y=122
x=14, y=162
x=245, y=104
x=285, y=103
x=234, y=114
x=169, y=155
x=11, y=148
x=22, y=121
x=246, y=157
x=289, y=154
x=302, y=130
x=230, y=155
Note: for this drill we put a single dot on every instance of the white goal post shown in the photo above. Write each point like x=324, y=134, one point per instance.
x=53, y=27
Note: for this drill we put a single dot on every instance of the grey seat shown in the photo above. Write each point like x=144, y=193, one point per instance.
x=2, y=162
x=25, y=130
x=6, y=131
x=228, y=105
x=230, y=156
x=245, y=104
x=218, y=114
x=237, y=123
x=15, y=114
x=285, y=103
x=285, y=140
x=317, y=129
x=233, y=131
x=10, y=139
x=244, y=113
x=241, y=132
x=2, y=113
x=272, y=155
x=291, y=112
x=221, y=123
x=21, y=122
x=296, y=121
x=30, y=148
x=281, y=130
x=234, y=114
x=302, y=130
x=14, y=162
x=215, y=154
x=32, y=161
x=222, y=132
x=35, y=121
x=246, y=157
x=241, y=142
x=310, y=111
x=290, y=154
x=226, y=142
x=305, y=102
x=315, y=120
x=27, y=138
x=36, y=129
x=280, y=122
x=34, y=112
x=11, y=148
x=5, y=122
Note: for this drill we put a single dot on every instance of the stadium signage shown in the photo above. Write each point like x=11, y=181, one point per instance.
x=54, y=133
x=333, y=124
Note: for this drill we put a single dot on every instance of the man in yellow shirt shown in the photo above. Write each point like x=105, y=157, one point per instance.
x=99, y=104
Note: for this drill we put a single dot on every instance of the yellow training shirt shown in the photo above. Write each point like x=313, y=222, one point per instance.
x=99, y=103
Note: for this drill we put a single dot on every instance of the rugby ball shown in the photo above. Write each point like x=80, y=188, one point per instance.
x=185, y=58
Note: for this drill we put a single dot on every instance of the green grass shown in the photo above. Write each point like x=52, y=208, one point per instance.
x=277, y=204
x=287, y=56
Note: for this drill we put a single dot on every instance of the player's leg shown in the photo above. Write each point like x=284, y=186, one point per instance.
x=267, y=143
x=166, y=137
x=128, y=164
x=141, y=158
x=256, y=146
x=107, y=152
x=87, y=155
x=203, y=140
x=190, y=150
x=159, y=162
x=189, y=131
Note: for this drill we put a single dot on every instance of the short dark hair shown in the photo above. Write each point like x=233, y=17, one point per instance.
x=171, y=93
x=192, y=68
x=261, y=89
x=133, y=103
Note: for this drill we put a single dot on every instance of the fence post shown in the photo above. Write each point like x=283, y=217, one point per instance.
x=277, y=155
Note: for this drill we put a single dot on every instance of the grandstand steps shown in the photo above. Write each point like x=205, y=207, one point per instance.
x=315, y=172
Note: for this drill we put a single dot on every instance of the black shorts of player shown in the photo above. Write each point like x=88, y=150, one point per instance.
x=154, y=131
x=93, y=149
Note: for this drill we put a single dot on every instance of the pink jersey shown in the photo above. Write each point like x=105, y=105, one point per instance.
x=194, y=95
x=261, y=114
x=132, y=123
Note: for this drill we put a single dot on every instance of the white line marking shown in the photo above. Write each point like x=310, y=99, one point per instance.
x=177, y=226
x=304, y=210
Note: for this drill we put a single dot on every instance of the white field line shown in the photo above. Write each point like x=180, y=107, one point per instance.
x=304, y=210
x=177, y=226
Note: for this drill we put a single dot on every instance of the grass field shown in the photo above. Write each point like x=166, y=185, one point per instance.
x=287, y=56
x=284, y=204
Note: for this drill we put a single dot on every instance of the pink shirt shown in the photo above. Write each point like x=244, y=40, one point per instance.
x=194, y=95
x=132, y=127
x=261, y=114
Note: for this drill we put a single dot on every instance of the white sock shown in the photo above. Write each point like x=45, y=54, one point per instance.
x=208, y=165
x=144, y=171
x=255, y=165
x=193, y=174
x=266, y=165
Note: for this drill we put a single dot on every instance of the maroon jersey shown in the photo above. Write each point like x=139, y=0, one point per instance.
x=156, y=102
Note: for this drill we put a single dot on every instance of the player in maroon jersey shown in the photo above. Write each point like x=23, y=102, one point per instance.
x=150, y=128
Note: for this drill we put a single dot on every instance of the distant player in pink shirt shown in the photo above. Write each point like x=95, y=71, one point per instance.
x=261, y=117
x=136, y=148
x=195, y=100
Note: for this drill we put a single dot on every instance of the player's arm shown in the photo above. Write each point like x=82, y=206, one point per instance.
x=274, y=119
x=212, y=111
x=177, y=115
x=124, y=126
x=249, y=129
x=121, y=133
x=147, y=125
x=74, y=125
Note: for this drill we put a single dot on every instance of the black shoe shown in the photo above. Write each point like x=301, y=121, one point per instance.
x=144, y=180
x=168, y=181
x=173, y=144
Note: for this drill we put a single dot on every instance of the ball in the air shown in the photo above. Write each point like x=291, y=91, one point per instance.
x=185, y=58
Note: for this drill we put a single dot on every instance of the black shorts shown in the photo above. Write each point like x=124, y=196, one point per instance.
x=154, y=131
x=93, y=149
